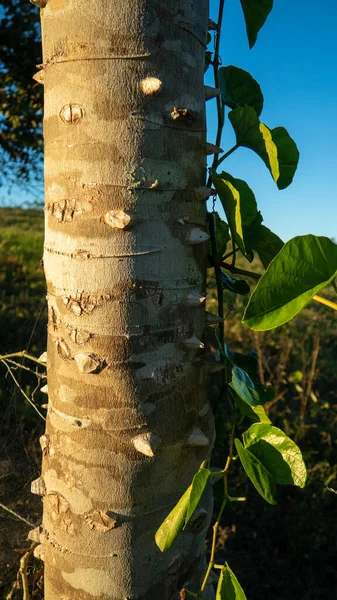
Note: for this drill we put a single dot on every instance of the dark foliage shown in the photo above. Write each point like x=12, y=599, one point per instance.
x=20, y=95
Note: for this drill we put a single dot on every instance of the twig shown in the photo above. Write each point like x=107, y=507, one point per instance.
x=20, y=388
x=14, y=514
x=22, y=354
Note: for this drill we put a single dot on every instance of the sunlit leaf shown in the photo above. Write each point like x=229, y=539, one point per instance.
x=260, y=477
x=277, y=452
x=228, y=586
x=239, y=204
x=198, y=485
x=304, y=265
x=169, y=530
x=238, y=88
x=245, y=388
x=257, y=414
x=179, y=516
x=275, y=146
x=255, y=13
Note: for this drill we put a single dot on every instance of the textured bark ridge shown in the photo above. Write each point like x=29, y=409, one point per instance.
x=125, y=251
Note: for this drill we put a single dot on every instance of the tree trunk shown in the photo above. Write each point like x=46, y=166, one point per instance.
x=125, y=248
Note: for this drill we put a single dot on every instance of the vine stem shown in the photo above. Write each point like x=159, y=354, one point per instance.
x=222, y=508
x=217, y=272
x=220, y=108
x=228, y=153
x=23, y=570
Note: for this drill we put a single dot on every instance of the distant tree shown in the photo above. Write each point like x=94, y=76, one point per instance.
x=20, y=95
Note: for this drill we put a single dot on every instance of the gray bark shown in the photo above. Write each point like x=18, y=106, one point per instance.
x=125, y=248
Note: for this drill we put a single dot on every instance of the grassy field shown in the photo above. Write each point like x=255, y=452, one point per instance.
x=287, y=552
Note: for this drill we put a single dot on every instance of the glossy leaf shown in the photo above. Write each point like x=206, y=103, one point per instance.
x=245, y=388
x=237, y=286
x=169, y=530
x=248, y=362
x=255, y=13
x=179, y=516
x=257, y=414
x=304, y=266
x=260, y=477
x=267, y=244
x=198, y=485
x=277, y=452
x=239, y=204
x=275, y=146
x=228, y=586
x=238, y=88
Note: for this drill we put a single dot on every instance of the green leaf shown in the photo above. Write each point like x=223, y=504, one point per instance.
x=257, y=414
x=222, y=235
x=304, y=266
x=238, y=88
x=244, y=387
x=169, y=530
x=277, y=452
x=198, y=485
x=179, y=516
x=267, y=244
x=239, y=204
x=248, y=362
x=275, y=146
x=237, y=286
x=255, y=13
x=260, y=477
x=228, y=586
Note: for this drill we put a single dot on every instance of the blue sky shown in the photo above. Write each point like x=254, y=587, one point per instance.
x=295, y=62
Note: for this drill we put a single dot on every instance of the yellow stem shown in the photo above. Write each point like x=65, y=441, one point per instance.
x=325, y=301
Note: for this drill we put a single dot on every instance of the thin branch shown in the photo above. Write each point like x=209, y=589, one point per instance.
x=22, y=354
x=14, y=514
x=20, y=388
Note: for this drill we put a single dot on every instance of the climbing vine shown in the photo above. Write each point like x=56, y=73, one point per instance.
x=294, y=274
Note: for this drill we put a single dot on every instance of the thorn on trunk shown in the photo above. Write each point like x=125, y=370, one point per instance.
x=38, y=487
x=212, y=25
x=194, y=298
x=193, y=343
x=39, y=552
x=212, y=319
x=197, y=236
x=147, y=443
x=211, y=92
x=212, y=149
x=197, y=438
x=205, y=192
x=120, y=219
x=35, y=534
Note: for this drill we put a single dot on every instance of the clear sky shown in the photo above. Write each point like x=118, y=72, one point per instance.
x=295, y=62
